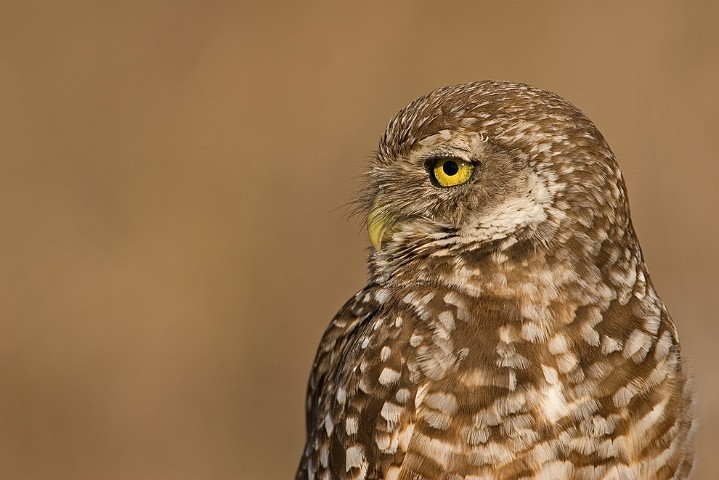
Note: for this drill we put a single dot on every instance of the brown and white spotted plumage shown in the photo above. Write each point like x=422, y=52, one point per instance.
x=509, y=328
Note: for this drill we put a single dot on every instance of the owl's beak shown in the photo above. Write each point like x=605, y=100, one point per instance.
x=379, y=221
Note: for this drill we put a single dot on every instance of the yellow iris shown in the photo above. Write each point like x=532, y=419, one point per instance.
x=451, y=171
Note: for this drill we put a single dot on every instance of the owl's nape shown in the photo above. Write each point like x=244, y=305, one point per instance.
x=509, y=328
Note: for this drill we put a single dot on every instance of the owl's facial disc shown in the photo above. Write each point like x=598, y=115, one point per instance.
x=457, y=184
x=432, y=188
x=444, y=172
x=411, y=187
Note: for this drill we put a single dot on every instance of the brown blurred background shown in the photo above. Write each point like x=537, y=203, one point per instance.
x=172, y=179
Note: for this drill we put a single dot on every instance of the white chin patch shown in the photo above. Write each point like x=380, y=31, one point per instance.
x=502, y=220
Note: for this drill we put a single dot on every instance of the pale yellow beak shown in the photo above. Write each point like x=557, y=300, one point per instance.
x=379, y=223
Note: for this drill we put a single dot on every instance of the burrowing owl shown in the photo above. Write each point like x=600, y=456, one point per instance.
x=509, y=328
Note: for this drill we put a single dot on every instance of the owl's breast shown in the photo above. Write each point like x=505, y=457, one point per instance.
x=446, y=381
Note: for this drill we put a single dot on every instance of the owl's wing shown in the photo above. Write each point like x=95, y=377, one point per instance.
x=331, y=350
x=360, y=394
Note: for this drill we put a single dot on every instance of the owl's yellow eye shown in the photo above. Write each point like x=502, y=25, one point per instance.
x=451, y=171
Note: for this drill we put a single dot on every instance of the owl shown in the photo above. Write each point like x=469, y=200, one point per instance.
x=509, y=328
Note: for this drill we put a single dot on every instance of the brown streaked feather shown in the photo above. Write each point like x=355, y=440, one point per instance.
x=510, y=328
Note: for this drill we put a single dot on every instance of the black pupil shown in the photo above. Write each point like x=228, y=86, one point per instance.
x=450, y=168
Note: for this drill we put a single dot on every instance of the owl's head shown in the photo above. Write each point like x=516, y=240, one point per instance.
x=482, y=163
